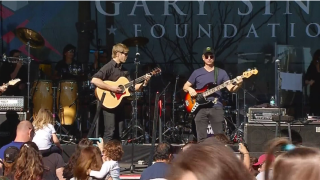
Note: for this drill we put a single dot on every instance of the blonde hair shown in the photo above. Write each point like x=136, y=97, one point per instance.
x=119, y=48
x=42, y=119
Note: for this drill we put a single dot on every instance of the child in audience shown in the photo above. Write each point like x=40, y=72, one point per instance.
x=112, y=153
x=45, y=133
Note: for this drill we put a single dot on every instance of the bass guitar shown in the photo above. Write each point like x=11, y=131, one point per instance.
x=112, y=99
x=10, y=83
x=192, y=103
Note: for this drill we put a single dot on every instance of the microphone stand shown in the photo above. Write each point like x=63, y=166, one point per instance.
x=278, y=98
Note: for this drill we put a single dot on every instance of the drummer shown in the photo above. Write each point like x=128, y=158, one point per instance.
x=67, y=68
x=13, y=70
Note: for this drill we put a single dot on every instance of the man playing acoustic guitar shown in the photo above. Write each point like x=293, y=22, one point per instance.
x=211, y=112
x=112, y=71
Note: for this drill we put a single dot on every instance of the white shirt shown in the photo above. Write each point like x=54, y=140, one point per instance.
x=108, y=167
x=43, y=137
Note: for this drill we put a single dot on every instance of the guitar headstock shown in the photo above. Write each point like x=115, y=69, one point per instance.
x=13, y=82
x=249, y=73
x=155, y=71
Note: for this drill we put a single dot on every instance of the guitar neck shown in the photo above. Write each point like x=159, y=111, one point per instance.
x=137, y=81
x=221, y=86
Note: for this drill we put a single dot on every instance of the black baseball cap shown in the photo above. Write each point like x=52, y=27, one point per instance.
x=11, y=154
x=208, y=50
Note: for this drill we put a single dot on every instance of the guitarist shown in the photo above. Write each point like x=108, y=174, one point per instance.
x=213, y=112
x=112, y=71
x=11, y=71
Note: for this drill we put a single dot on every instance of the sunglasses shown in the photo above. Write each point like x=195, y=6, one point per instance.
x=71, y=51
x=126, y=54
x=209, y=56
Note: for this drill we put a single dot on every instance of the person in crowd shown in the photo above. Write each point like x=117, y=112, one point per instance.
x=261, y=164
x=162, y=157
x=14, y=70
x=253, y=169
x=206, y=162
x=55, y=164
x=24, y=133
x=295, y=163
x=10, y=155
x=45, y=133
x=213, y=111
x=312, y=79
x=112, y=153
x=112, y=71
x=68, y=170
x=89, y=159
x=29, y=165
x=187, y=145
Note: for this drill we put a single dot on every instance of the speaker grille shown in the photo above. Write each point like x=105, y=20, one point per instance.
x=257, y=135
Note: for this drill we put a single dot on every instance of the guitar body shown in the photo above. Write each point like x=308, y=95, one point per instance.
x=112, y=100
x=192, y=103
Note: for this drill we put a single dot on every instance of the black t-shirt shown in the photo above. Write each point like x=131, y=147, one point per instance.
x=5, y=76
x=53, y=161
x=68, y=71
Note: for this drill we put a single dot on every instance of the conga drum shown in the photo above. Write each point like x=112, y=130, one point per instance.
x=66, y=101
x=41, y=94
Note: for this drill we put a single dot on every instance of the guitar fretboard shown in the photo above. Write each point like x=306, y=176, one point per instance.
x=221, y=86
x=137, y=81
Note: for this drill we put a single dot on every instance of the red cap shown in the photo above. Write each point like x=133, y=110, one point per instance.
x=262, y=159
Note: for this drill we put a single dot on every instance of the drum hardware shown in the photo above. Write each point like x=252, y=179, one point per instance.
x=135, y=42
x=174, y=98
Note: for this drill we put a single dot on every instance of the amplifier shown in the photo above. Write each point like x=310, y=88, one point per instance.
x=257, y=135
x=264, y=115
x=11, y=103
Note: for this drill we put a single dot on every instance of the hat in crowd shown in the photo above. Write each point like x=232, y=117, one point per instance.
x=68, y=47
x=262, y=159
x=208, y=50
x=11, y=154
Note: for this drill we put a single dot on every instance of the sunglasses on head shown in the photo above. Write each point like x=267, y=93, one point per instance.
x=209, y=56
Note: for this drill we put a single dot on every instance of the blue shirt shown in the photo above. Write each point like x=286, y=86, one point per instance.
x=15, y=144
x=201, y=77
x=157, y=170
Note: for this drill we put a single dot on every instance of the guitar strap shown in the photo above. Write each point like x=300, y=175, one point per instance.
x=216, y=73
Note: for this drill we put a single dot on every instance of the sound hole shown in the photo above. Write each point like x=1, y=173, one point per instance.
x=123, y=89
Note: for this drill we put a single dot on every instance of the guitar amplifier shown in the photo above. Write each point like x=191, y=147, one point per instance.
x=264, y=115
x=11, y=103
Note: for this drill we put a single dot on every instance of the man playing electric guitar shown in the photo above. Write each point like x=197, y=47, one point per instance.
x=212, y=112
x=112, y=71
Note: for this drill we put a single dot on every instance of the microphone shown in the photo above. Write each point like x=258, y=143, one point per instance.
x=137, y=55
x=278, y=61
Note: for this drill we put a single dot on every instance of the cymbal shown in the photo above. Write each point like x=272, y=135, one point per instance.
x=28, y=35
x=132, y=42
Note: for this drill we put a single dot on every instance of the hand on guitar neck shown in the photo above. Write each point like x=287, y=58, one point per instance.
x=3, y=88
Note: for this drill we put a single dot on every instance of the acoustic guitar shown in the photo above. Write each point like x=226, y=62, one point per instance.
x=193, y=103
x=112, y=99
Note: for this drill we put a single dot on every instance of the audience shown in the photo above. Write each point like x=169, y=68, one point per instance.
x=45, y=133
x=261, y=164
x=68, y=170
x=296, y=163
x=89, y=159
x=29, y=165
x=162, y=157
x=112, y=153
x=207, y=162
x=24, y=133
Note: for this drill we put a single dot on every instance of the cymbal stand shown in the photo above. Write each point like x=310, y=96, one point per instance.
x=174, y=98
x=28, y=83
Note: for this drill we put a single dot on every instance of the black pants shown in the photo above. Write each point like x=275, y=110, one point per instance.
x=113, y=123
x=52, y=149
x=214, y=115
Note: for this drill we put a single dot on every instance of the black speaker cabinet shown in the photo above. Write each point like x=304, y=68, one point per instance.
x=257, y=135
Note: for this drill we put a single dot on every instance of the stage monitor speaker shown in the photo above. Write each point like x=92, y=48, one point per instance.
x=257, y=135
x=8, y=125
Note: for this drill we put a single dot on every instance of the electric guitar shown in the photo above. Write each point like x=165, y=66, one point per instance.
x=192, y=103
x=10, y=83
x=112, y=99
